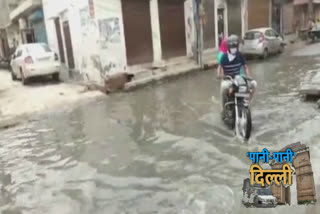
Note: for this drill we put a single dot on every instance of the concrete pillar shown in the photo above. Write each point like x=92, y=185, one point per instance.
x=216, y=23
x=22, y=23
x=305, y=181
x=22, y=26
x=270, y=13
x=244, y=16
x=156, y=35
x=226, y=23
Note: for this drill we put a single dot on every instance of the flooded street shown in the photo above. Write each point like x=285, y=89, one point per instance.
x=162, y=149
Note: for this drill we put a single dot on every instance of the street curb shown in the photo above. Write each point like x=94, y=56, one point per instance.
x=166, y=75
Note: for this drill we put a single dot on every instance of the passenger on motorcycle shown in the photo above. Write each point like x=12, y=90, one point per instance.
x=231, y=64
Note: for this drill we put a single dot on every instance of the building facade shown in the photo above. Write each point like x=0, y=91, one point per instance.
x=302, y=13
x=25, y=23
x=97, y=38
x=4, y=20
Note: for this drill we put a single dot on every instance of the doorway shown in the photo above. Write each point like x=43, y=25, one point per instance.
x=68, y=42
x=209, y=38
x=234, y=18
x=172, y=28
x=28, y=36
x=221, y=25
x=276, y=17
x=3, y=48
x=59, y=39
x=137, y=31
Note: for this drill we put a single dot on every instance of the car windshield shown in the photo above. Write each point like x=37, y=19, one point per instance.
x=264, y=192
x=38, y=49
x=252, y=35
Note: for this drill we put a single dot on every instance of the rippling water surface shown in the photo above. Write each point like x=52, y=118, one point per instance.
x=158, y=150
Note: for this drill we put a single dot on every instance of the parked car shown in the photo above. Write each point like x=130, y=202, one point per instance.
x=262, y=42
x=35, y=59
x=257, y=196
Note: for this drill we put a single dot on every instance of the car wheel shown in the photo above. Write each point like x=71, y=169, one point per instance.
x=281, y=49
x=13, y=76
x=56, y=77
x=24, y=80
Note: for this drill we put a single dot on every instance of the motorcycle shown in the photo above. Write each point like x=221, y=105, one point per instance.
x=236, y=113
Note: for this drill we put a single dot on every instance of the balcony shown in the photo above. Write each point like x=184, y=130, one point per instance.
x=24, y=8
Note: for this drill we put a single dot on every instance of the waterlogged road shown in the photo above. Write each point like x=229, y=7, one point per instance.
x=158, y=150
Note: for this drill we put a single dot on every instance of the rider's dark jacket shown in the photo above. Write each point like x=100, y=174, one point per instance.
x=232, y=68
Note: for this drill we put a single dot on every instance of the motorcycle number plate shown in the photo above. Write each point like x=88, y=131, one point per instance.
x=245, y=95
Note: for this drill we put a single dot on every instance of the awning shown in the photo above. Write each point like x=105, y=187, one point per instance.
x=300, y=2
x=25, y=8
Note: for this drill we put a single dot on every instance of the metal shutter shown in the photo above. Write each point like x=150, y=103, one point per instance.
x=137, y=30
x=172, y=28
x=209, y=28
x=258, y=13
x=234, y=17
x=288, y=18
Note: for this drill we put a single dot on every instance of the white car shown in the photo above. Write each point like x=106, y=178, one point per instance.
x=262, y=42
x=256, y=196
x=35, y=59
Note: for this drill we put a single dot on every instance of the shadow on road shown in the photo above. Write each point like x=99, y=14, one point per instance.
x=41, y=81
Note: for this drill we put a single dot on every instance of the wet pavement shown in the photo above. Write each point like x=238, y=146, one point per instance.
x=162, y=149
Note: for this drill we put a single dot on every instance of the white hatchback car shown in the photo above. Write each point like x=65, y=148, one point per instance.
x=262, y=42
x=35, y=59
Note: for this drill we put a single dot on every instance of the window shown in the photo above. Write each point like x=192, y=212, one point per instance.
x=252, y=35
x=38, y=49
x=270, y=33
x=267, y=33
x=264, y=192
x=46, y=47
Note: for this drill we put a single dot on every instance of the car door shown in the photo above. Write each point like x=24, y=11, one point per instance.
x=270, y=38
x=278, y=41
x=274, y=41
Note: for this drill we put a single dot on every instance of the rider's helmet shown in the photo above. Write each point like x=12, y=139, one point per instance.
x=233, y=43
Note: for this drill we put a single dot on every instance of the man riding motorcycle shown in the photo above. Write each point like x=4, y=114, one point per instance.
x=231, y=64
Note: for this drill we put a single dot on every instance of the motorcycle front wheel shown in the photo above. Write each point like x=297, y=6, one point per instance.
x=245, y=123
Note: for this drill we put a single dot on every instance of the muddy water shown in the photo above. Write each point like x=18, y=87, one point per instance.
x=158, y=150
